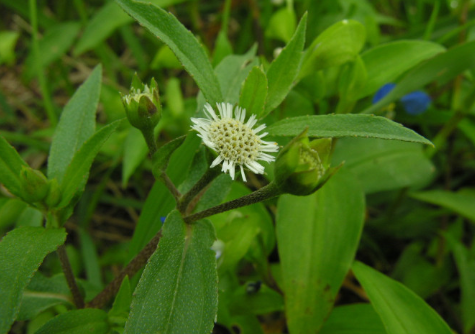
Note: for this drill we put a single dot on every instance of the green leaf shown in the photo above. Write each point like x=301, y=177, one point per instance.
x=400, y=309
x=21, y=253
x=8, y=41
x=336, y=45
x=254, y=92
x=337, y=126
x=353, y=319
x=78, y=170
x=76, y=125
x=385, y=63
x=284, y=69
x=263, y=301
x=282, y=24
x=161, y=158
x=149, y=222
x=461, y=202
x=181, y=41
x=232, y=71
x=466, y=269
x=100, y=27
x=135, y=151
x=43, y=293
x=442, y=67
x=317, y=240
x=382, y=165
x=177, y=292
x=10, y=167
x=122, y=300
x=54, y=44
x=222, y=48
x=91, y=321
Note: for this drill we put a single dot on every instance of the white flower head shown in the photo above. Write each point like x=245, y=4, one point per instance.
x=235, y=141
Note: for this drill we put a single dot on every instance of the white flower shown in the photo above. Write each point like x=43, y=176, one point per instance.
x=236, y=142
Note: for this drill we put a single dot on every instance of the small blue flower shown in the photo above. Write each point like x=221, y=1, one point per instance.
x=414, y=103
x=162, y=219
x=382, y=92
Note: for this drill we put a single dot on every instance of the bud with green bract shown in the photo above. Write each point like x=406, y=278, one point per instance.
x=34, y=185
x=142, y=104
x=302, y=167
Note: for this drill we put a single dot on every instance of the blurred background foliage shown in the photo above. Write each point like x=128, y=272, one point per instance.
x=420, y=213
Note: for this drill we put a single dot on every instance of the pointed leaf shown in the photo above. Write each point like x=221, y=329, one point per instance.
x=337, y=126
x=335, y=46
x=91, y=321
x=78, y=169
x=284, y=69
x=400, y=309
x=76, y=125
x=254, y=92
x=10, y=167
x=317, y=239
x=178, y=290
x=21, y=253
x=442, y=67
x=181, y=41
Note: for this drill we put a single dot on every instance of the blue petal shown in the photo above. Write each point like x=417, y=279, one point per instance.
x=162, y=219
x=383, y=91
x=416, y=103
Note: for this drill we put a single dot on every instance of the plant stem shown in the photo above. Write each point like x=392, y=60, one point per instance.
x=171, y=187
x=39, y=65
x=269, y=191
x=209, y=175
x=149, y=137
x=130, y=270
x=68, y=273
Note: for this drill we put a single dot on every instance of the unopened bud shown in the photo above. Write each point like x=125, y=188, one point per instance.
x=302, y=166
x=142, y=105
x=34, y=185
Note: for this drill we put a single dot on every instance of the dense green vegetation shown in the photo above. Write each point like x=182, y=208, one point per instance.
x=353, y=214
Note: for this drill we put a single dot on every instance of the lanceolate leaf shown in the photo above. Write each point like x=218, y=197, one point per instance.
x=76, y=125
x=386, y=62
x=79, y=167
x=178, y=291
x=10, y=167
x=336, y=126
x=317, y=239
x=336, y=45
x=400, y=309
x=21, y=253
x=442, y=67
x=284, y=69
x=254, y=92
x=461, y=203
x=91, y=321
x=181, y=41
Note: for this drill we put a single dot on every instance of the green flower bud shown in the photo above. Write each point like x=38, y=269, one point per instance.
x=34, y=185
x=54, y=195
x=142, y=105
x=302, y=167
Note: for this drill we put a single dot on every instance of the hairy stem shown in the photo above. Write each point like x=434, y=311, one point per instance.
x=130, y=270
x=208, y=176
x=68, y=273
x=171, y=187
x=269, y=191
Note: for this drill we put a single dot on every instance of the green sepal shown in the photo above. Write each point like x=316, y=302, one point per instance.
x=142, y=104
x=302, y=167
